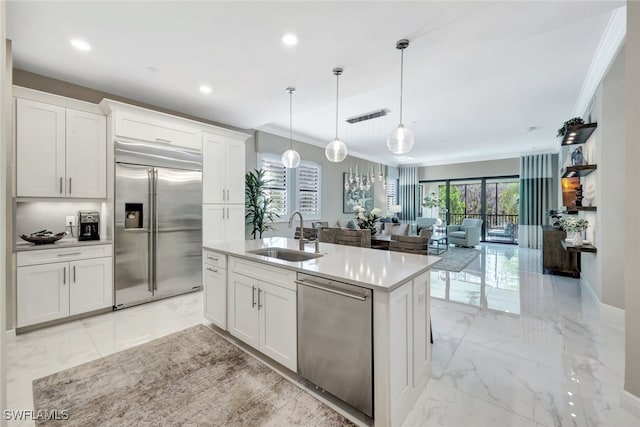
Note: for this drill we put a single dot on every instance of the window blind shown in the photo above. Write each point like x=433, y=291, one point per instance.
x=276, y=188
x=309, y=190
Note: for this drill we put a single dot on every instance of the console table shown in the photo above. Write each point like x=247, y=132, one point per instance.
x=555, y=258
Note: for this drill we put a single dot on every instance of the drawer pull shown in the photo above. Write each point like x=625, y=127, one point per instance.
x=212, y=269
x=163, y=140
x=70, y=253
x=212, y=258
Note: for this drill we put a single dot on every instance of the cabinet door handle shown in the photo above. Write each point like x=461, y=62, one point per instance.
x=259, y=303
x=223, y=199
x=70, y=254
x=227, y=194
x=64, y=275
x=163, y=140
x=253, y=296
x=74, y=274
x=212, y=269
x=60, y=185
x=227, y=213
x=69, y=185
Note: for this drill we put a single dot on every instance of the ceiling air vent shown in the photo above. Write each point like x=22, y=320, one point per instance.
x=368, y=116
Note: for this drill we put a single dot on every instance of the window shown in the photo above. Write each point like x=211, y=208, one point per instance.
x=391, y=193
x=292, y=189
x=309, y=190
x=277, y=181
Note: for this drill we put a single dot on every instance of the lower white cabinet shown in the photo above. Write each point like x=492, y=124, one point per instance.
x=90, y=285
x=43, y=293
x=215, y=288
x=55, y=290
x=263, y=315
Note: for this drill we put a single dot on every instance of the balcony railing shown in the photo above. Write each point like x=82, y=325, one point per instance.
x=492, y=222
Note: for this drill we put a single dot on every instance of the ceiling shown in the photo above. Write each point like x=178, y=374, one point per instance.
x=477, y=74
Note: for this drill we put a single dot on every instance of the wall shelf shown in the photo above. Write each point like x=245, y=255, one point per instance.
x=578, y=171
x=579, y=133
x=581, y=248
x=576, y=209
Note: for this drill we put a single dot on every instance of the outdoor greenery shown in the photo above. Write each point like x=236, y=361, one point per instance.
x=260, y=213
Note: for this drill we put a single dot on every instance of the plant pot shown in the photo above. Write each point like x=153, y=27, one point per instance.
x=577, y=238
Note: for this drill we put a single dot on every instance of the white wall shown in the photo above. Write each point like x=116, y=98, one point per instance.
x=332, y=178
x=631, y=206
x=604, y=272
x=501, y=167
x=5, y=138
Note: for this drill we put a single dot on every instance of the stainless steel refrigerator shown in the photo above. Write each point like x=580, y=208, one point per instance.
x=158, y=221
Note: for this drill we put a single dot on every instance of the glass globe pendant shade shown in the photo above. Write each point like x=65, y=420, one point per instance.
x=336, y=151
x=291, y=158
x=401, y=140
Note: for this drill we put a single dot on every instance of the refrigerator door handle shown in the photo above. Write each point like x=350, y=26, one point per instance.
x=150, y=230
x=155, y=226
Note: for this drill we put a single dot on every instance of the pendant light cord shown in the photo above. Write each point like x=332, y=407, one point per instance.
x=337, y=83
x=401, y=80
x=290, y=119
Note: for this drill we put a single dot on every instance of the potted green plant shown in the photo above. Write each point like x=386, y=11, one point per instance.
x=575, y=225
x=260, y=212
x=431, y=201
x=570, y=122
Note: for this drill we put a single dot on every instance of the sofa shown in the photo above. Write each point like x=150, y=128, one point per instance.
x=424, y=222
x=465, y=234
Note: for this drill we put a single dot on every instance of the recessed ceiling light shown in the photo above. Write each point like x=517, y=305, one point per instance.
x=290, y=39
x=572, y=134
x=152, y=69
x=205, y=89
x=80, y=44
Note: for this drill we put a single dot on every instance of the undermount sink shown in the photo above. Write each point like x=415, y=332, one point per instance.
x=285, y=254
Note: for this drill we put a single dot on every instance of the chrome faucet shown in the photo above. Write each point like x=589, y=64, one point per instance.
x=302, y=241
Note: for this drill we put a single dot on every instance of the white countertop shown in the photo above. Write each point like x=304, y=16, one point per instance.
x=371, y=268
x=62, y=243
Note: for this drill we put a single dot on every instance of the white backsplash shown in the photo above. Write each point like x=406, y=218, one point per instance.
x=35, y=216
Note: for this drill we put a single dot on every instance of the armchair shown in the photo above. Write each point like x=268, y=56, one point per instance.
x=465, y=234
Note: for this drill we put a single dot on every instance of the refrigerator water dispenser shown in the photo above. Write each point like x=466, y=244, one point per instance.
x=132, y=215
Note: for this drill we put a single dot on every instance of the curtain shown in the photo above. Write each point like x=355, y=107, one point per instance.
x=536, y=194
x=407, y=194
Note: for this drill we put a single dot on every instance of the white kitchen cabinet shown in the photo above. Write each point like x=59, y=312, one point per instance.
x=421, y=330
x=215, y=288
x=278, y=328
x=263, y=314
x=61, y=152
x=43, y=293
x=223, y=169
x=244, y=318
x=156, y=127
x=86, y=151
x=40, y=133
x=222, y=222
x=90, y=285
x=57, y=283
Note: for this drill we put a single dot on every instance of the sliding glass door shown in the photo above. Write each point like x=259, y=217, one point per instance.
x=493, y=200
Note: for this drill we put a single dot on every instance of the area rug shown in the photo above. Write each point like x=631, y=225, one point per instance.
x=192, y=377
x=456, y=259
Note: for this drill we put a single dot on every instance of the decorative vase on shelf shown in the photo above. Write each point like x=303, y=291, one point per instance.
x=577, y=238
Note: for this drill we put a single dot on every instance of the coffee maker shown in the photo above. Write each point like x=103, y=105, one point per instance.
x=89, y=225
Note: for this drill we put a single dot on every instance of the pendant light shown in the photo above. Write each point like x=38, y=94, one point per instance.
x=400, y=141
x=336, y=150
x=291, y=158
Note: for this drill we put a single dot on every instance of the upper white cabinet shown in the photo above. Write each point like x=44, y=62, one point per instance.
x=60, y=152
x=159, y=129
x=223, y=169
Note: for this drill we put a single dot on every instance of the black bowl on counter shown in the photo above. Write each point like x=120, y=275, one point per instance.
x=43, y=237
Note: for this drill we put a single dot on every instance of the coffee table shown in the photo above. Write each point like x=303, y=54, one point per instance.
x=439, y=243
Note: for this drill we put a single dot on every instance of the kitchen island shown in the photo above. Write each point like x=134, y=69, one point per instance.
x=255, y=294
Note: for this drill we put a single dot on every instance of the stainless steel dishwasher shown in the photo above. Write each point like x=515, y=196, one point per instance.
x=335, y=339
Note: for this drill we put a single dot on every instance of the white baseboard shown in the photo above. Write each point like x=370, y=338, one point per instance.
x=630, y=403
x=612, y=316
x=585, y=284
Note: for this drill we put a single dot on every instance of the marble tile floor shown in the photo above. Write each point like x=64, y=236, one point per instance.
x=513, y=347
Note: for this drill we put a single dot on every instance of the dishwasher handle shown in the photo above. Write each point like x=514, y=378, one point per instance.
x=333, y=291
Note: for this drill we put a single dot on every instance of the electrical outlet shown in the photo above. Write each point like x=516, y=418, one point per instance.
x=71, y=220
